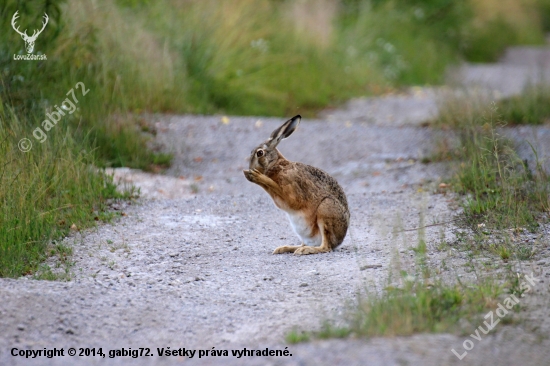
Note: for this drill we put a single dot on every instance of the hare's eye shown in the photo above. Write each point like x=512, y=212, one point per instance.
x=259, y=153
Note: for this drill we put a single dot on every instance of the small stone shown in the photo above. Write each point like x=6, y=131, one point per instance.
x=173, y=255
x=21, y=327
x=368, y=266
x=69, y=331
x=541, y=262
x=303, y=284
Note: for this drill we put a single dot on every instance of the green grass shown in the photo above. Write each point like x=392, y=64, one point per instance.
x=488, y=42
x=44, y=192
x=419, y=301
x=531, y=107
x=418, y=307
x=414, y=302
x=261, y=57
x=503, y=196
x=499, y=189
x=57, y=183
x=418, y=304
x=296, y=336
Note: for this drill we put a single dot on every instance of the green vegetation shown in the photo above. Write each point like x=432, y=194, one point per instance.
x=418, y=307
x=32, y=88
x=531, y=107
x=503, y=196
x=498, y=24
x=55, y=186
x=500, y=190
x=416, y=303
x=251, y=57
x=295, y=336
x=44, y=192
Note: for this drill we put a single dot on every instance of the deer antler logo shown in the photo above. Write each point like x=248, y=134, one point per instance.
x=29, y=41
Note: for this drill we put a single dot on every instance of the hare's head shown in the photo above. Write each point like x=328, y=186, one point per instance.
x=263, y=157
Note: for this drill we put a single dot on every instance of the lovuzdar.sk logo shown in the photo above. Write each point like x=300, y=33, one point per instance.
x=29, y=40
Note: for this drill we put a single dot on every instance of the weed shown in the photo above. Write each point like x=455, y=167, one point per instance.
x=330, y=331
x=503, y=251
x=500, y=190
x=416, y=303
x=111, y=264
x=44, y=272
x=421, y=248
x=532, y=107
x=295, y=336
x=524, y=252
x=416, y=306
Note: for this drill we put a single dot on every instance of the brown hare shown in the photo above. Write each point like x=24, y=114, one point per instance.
x=314, y=201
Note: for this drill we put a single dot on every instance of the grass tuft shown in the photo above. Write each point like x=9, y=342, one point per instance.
x=500, y=190
x=532, y=107
x=417, y=306
x=421, y=307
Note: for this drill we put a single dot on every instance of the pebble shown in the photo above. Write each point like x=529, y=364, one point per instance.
x=368, y=266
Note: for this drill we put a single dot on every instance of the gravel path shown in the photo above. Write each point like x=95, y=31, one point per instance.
x=190, y=265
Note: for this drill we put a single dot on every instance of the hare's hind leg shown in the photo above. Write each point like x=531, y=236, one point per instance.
x=332, y=224
x=286, y=249
x=324, y=248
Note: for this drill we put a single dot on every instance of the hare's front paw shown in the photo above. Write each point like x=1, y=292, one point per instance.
x=247, y=175
x=252, y=175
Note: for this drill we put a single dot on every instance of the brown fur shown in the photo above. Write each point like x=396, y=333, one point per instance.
x=316, y=203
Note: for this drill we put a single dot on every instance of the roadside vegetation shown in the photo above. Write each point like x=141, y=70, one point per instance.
x=530, y=108
x=242, y=57
x=418, y=301
x=505, y=198
x=45, y=192
x=415, y=307
x=500, y=189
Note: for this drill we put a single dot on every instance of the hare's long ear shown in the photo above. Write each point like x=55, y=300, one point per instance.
x=284, y=131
